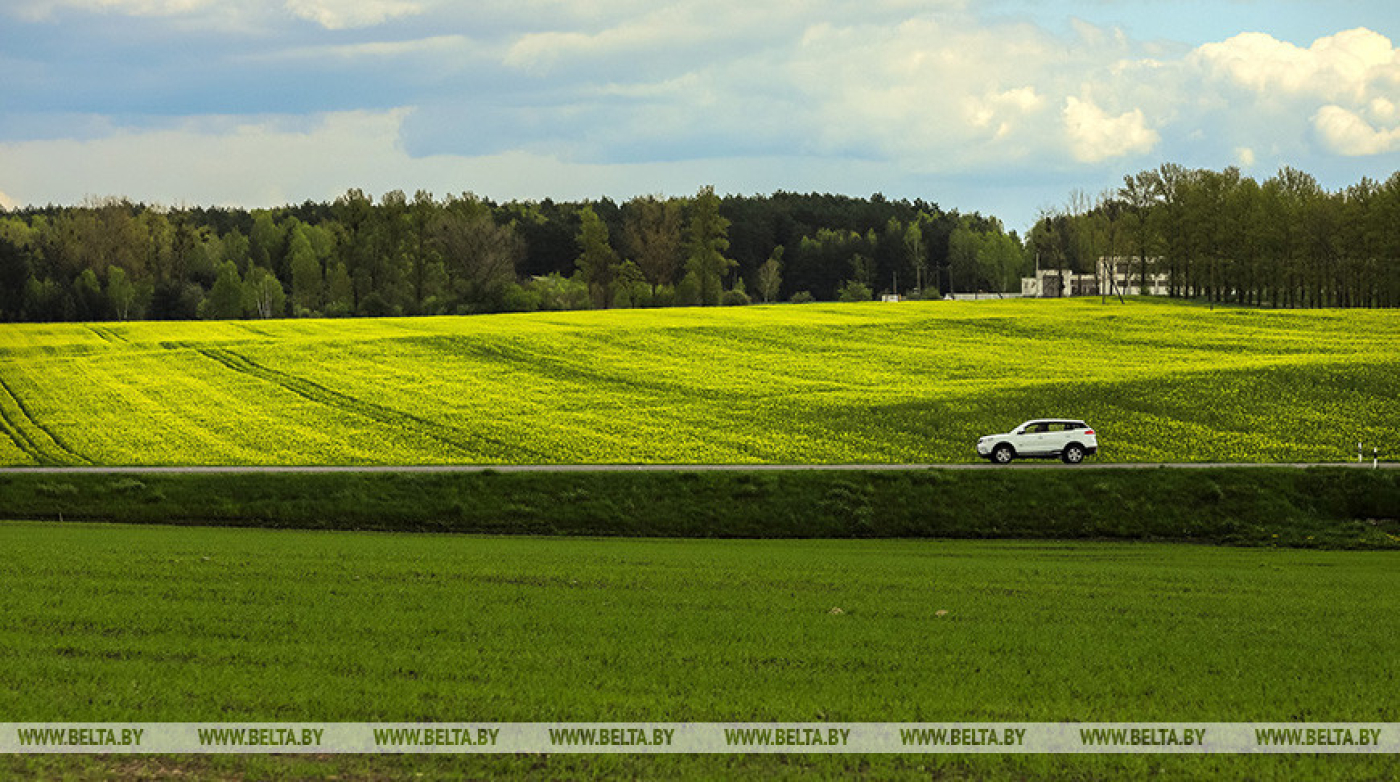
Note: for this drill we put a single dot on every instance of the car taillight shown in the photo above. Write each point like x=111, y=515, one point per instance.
x=1088, y=431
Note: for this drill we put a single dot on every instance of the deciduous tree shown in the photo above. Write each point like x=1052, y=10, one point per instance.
x=707, y=240
x=121, y=294
x=651, y=237
x=264, y=293
x=770, y=275
x=307, y=285
x=480, y=255
x=225, y=299
x=597, y=261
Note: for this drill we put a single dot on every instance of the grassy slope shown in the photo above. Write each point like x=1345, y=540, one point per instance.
x=1320, y=507
x=806, y=384
x=207, y=624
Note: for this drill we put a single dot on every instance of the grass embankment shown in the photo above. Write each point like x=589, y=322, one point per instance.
x=1323, y=507
x=194, y=624
x=915, y=382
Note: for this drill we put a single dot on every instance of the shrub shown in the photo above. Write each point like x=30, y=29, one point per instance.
x=520, y=299
x=338, y=309
x=734, y=298
x=126, y=486
x=375, y=306
x=854, y=291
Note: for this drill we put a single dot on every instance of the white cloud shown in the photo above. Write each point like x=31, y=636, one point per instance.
x=950, y=95
x=1245, y=157
x=1347, y=133
x=933, y=93
x=178, y=16
x=344, y=14
x=667, y=26
x=1094, y=135
x=6, y=202
x=270, y=14
x=700, y=31
x=443, y=47
x=1349, y=63
x=999, y=113
x=1384, y=110
x=37, y=10
x=661, y=32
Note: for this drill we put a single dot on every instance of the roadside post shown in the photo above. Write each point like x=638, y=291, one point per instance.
x=1375, y=458
x=1358, y=453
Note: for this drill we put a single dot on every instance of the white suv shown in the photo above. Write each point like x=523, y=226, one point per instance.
x=1042, y=438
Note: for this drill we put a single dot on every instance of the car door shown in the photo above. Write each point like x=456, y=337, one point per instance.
x=1032, y=440
x=1057, y=437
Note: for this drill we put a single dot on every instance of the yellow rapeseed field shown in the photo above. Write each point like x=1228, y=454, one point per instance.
x=832, y=383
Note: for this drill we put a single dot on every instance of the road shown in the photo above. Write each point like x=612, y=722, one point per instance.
x=504, y=468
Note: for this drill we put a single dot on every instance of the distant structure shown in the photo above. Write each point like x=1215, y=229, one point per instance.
x=980, y=296
x=1114, y=276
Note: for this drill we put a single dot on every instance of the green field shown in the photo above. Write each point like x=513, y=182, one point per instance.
x=196, y=624
x=914, y=382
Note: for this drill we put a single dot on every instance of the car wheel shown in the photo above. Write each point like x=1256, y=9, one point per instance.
x=1002, y=454
x=1074, y=454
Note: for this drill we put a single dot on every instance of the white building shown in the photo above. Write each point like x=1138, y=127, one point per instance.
x=1118, y=275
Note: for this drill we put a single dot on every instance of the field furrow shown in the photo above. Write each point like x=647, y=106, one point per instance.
x=19, y=449
x=106, y=334
x=43, y=446
x=418, y=427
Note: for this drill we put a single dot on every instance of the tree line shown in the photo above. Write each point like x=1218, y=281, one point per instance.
x=112, y=259
x=1228, y=238
x=1216, y=235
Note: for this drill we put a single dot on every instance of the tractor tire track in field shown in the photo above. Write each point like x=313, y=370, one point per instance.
x=108, y=335
x=21, y=440
x=544, y=364
x=315, y=392
x=57, y=453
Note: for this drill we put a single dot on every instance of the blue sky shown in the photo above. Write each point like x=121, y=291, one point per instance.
x=1002, y=107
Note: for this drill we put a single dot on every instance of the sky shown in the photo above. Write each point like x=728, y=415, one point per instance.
x=1003, y=107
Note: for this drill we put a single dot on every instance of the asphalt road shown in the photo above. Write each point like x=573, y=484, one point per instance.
x=503, y=468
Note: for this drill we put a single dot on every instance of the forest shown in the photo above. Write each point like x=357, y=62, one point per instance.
x=1221, y=236
x=112, y=259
